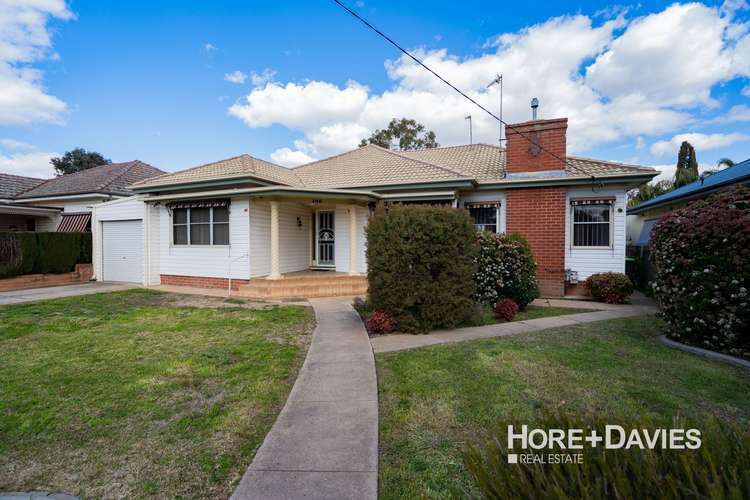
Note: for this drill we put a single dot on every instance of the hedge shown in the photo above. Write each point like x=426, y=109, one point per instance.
x=26, y=253
x=420, y=261
x=701, y=255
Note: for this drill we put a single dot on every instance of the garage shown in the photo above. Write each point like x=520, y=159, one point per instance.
x=122, y=250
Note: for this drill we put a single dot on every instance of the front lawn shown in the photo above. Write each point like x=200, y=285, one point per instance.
x=486, y=316
x=138, y=393
x=434, y=400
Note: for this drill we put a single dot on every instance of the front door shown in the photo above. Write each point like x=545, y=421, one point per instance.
x=325, y=238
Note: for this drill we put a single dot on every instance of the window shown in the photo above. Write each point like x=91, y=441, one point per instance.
x=485, y=215
x=200, y=223
x=592, y=223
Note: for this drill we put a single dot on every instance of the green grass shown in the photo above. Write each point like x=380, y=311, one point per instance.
x=130, y=394
x=435, y=400
x=485, y=315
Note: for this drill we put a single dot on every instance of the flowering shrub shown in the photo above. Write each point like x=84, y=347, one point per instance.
x=505, y=268
x=380, y=322
x=701, y=255
x=612, y=288
x=506, y=309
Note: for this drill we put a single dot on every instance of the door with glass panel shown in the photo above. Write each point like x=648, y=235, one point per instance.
x=325, y=237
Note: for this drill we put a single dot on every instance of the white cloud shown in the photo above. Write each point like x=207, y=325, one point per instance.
x=289, y=158
x=209, y=48
x=25, y=38
x=738, y=113
x=13, y=144
x=28, y=164
x=746, y=91
x=701, y=142
x=235, y=77
x=262, y=78
x=615, y=80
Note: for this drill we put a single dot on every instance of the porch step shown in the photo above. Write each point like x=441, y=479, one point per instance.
x=304, y=286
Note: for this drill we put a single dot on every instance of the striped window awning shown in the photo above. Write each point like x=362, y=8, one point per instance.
x=592, y=201
x=198, y=204
x=482, y=204
x=74, y=223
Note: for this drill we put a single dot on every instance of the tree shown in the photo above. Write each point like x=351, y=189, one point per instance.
x=725, y=162
x=77, y=160
x=687, y=165
x=409, y=135
x=648, y=191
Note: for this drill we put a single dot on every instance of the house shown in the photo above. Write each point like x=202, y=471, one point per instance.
x=258, y=228
x=64, y=203
x=641, y=218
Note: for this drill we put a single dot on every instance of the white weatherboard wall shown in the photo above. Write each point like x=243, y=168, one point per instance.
x=488, y=196
x=294, y=239
x=588, y=261
x=207, y=261
x=363, y=214
x=342, y=238
x=260, y=239
x=124, y=209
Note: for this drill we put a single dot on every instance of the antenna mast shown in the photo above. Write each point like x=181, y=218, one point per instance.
x=471, y=133
x=499, y=81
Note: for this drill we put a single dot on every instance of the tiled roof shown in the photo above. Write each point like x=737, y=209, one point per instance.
x=113, y=178
x=486, y=163
x=13, y=185
x=371, y=166
x=238, y=166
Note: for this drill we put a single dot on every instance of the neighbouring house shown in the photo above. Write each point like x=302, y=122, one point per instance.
x=258, y=228
x=642, y=217
x=64, y=203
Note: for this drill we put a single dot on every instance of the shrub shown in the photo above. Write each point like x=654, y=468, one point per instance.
x=420, y=262
x=18, y=253
x=380, y=323
x=58, y=252
x=505, y=268
x=86, y=250
x=612, y=288
x=506, y=309
x=718, y=469
x=701, y=255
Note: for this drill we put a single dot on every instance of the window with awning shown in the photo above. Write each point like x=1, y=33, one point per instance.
x=200, y=222
x=75, y=223
x=592, y=222
x=485, y=214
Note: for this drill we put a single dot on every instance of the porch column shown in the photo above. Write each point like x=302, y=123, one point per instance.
x=353, y=239
x=275, y=274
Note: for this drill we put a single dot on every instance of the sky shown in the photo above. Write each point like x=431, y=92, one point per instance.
x=178, y=84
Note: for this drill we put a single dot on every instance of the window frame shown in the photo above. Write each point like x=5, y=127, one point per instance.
x=468, y=205
x=611, y=223
x=210, y=225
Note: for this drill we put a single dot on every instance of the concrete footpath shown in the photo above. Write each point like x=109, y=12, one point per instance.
x=56, y=292
x=400, y=342
x=324, y=444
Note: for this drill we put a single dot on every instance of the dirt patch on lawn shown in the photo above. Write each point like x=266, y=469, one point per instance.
x=206, y=301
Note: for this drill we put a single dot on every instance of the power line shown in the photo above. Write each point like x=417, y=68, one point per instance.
x=416, y=60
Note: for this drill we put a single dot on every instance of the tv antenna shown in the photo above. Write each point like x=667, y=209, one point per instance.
x=499, y=81
x=471, y=133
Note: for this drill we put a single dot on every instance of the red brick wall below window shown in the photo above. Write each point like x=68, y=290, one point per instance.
x=539, y=215
x=201, y=282
x=549, y=134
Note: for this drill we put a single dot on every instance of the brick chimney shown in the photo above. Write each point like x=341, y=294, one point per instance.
x=529, y=144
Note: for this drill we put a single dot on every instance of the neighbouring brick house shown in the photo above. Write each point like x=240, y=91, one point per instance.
x=256, y=227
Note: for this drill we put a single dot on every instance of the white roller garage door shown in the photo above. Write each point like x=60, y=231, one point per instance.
x=122, y=250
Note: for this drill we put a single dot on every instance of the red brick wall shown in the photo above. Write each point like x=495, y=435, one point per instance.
x=549, y=134
x=539, y=215
x=81, y=274
x=200, y=282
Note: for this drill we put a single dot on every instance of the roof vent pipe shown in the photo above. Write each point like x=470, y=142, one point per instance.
x=534, y=106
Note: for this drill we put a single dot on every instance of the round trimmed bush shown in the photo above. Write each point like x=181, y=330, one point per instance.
x=701, y=255
x=420, y=263
x=506, y=309
x=505, y=268
x=612, y=288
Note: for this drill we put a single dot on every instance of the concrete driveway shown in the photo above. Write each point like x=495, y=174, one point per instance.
x=56, y=292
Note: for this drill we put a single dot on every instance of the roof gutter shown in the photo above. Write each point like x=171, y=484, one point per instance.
x=224, y=181
x=268, y=191
x=637, y=179
x=75, y=196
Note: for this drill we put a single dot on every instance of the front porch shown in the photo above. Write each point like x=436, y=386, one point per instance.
x=304, y=284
